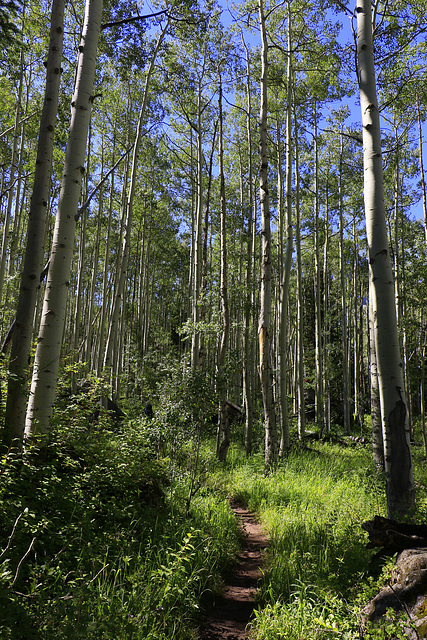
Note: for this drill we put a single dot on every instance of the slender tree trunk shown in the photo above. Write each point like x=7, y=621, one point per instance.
x=300, y=302
x=30, y=280
x=12, y=181
x=120, y=289
x=81, y=265
x=344, y=339
x=422, y=396
x=49, y=344
x=397, y=451
x=204, y=284
x=100, y=351
x=223, y=421
x=90, y=305
x=197, y=266
x=357, y=335
x=287, y=266
x=320, y=418
x=326, y=330
x=265, y=370
x=247, y=337
x=377, y=435
x=421, y=160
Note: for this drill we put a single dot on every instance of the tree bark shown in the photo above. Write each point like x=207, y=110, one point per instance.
x=397, y=451
x=223, y=422
x=45, y=374
x=265, y=370
x=300, y=302
x=287, y=266
x=320, y=415
x=247, y=337
x=17, y=393
x=344, y=339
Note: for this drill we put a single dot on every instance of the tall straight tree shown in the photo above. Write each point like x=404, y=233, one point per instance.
x=265, y=370
x=46, y=363
x=17, y=393
x=286, y=271
x=117, y=302
x=394, y=414
x=223, y=422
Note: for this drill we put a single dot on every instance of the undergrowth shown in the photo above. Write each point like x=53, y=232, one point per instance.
x=98, y=540
x=317, y=577
x=116, y=530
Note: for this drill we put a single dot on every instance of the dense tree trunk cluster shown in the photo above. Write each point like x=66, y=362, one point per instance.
x=303, y=297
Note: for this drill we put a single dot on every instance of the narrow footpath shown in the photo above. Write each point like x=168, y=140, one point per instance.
x=228, y=615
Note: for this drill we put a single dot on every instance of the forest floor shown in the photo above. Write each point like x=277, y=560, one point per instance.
x=227, y=615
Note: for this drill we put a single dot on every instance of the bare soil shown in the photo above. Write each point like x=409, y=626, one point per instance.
x=227, y=616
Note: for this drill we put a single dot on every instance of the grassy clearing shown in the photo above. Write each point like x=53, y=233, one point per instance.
x=312, y=506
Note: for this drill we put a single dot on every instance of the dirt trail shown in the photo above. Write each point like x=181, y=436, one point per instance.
x=227, y=617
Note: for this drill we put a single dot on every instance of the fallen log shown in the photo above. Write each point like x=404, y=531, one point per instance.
x=394, y=536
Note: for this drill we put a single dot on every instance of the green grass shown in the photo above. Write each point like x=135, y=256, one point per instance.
x=317, y=578
x=115, y=552
x=99, y=540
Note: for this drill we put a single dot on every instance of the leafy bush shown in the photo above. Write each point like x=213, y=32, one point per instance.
x=95, y=543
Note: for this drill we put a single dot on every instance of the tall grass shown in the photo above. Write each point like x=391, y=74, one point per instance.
x=312, y=508
x=116, y=553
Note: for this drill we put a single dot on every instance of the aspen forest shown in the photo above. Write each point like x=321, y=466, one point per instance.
x=213, y=283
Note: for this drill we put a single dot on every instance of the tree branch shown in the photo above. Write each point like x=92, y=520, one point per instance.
x=116, y=23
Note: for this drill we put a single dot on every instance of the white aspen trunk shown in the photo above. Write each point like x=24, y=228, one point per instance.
x=421, y=160
x=120, y=289
x=11, y=193
x=300, y=305
x=99, y=357
x=265, y=371
x=197, y=266
x=17, y=393
x=193, y=233
x=247, y=337
x=326, y=322
x=90, y=306
x=343, y=280
x=320, y=418
x=377, y=435
x=357, y=328
x=397, y=451
x=78, y=298
x=287, y=266
x=223, y=422
x=46, y=364
x=204, y=275
x=17, y=208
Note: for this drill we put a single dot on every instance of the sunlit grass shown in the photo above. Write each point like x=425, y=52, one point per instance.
x=312, y=506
